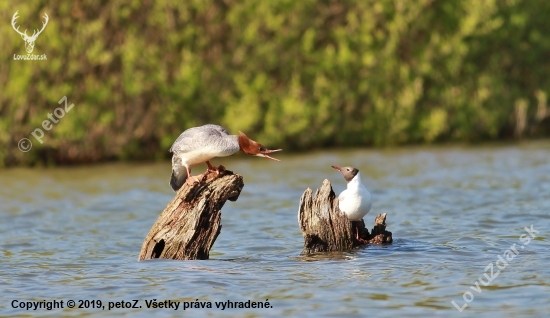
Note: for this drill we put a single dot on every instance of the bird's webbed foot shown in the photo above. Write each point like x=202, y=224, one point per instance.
x=219, y=170
x=191, y=180
x=357, y=237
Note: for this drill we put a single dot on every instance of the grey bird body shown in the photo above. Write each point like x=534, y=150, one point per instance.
x=199, y=144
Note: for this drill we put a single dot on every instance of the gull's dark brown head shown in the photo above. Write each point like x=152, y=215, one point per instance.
x=348, y=172
x=254, y=148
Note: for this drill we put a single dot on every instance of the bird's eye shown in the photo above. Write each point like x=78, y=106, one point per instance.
x=261, y=149
x=348, y=169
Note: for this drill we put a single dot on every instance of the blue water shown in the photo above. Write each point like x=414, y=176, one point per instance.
x=75, y=234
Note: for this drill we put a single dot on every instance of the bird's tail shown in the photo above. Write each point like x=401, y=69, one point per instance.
x=179, y=174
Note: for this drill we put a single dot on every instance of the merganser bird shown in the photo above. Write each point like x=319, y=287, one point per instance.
x=201, y=144
x=356, y=200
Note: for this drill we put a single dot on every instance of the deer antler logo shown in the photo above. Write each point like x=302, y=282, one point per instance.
x=29, y=40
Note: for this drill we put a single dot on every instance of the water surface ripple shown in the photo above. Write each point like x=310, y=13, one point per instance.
x=75, y=233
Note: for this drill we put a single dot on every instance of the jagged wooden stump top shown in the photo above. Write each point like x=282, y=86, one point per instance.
x=326, y=229
x=190, y=223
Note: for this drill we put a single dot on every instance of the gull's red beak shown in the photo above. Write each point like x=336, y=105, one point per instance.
x=337, y=168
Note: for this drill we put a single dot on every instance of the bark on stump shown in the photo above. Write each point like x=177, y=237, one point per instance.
x=190, y=223
x=326, y=229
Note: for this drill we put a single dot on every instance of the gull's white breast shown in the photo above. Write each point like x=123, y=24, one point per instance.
x=356, y=200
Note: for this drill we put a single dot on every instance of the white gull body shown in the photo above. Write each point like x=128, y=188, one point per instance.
x=356, y=200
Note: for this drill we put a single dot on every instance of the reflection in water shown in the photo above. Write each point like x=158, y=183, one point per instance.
x=75, y=233
x=312, y=257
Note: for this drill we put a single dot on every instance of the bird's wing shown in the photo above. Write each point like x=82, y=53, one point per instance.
x=196, y=137
x=342, y=196
x=217, y=128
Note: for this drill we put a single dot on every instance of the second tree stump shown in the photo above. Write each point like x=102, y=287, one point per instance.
x=326, y=229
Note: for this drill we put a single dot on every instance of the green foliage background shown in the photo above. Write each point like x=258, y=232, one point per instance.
x=291, y=74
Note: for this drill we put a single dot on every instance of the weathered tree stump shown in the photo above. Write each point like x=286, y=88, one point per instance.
x=326, y=229
x=190, y=223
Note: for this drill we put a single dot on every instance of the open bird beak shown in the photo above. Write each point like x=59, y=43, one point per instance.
x=337, y=168
x=265, y=152
x=254, y=148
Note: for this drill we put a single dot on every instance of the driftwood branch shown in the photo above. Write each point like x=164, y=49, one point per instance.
x=326, y=229
x=190, y=223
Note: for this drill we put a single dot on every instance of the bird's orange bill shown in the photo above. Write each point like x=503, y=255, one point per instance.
x=337, y=168
x=265, y=152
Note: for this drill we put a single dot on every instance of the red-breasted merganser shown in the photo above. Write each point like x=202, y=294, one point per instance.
x=356, y=200
x=200, y=144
